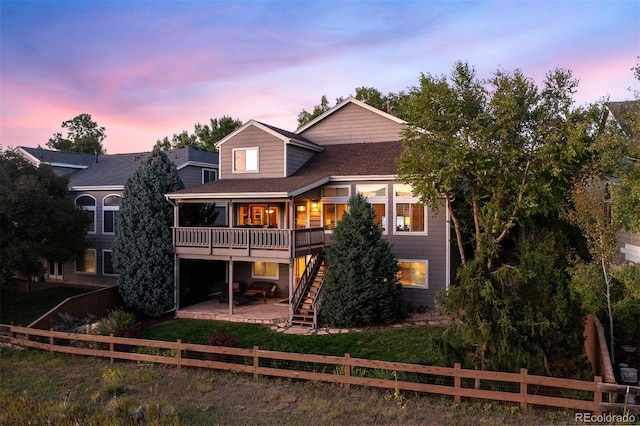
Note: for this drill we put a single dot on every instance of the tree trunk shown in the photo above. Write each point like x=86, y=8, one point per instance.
x=456, y=228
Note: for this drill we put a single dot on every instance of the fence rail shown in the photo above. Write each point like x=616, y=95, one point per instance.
x=458, y=383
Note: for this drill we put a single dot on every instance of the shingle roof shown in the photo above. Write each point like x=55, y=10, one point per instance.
x=48, y=156
x=371, y=159
x=115, y=169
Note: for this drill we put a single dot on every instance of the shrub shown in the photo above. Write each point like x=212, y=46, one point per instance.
x=119, y=322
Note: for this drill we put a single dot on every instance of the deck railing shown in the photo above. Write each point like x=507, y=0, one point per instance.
x=258, y=238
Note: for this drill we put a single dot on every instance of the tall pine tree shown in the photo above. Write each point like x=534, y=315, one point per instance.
x=143, y=252
x=361, y=284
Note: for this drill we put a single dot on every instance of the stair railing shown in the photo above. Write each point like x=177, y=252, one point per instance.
x=310, y=271
x=317, y=302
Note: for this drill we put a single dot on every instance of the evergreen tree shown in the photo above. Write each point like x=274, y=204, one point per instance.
x=361, y=284
x=143, y=252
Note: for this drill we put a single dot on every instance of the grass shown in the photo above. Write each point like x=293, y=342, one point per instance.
x=38, y=387
x=22, y=308
x=417, y=345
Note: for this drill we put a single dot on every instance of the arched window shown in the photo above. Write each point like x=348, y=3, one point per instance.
x=88, y=203
x=110, y=207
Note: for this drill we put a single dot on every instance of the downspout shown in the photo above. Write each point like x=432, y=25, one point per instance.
x=176, y=265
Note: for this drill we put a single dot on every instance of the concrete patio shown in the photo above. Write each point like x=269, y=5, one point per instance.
x=258, y=312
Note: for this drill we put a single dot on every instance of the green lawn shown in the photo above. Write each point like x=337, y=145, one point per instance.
x=416, y=344
x=22, y=308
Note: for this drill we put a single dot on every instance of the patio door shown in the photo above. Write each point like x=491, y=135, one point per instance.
x=55, y=270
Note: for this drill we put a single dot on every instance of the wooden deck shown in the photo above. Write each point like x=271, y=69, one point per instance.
x=257, y=312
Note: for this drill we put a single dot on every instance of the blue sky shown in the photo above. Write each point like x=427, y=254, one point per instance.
x=148, y=69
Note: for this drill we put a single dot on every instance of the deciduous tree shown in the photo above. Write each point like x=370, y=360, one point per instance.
x=38, y=220
x=143, y=252
x=204, y=136
x=83, y=135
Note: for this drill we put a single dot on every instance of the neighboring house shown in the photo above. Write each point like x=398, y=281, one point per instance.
x=285, y=193
x=628, y=243
x=96, y=184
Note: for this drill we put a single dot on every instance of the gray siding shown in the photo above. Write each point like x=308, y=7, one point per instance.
x=191, y=176
x=354, y=124
x=271, y=154
x=296, y=158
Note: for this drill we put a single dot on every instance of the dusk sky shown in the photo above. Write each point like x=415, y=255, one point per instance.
x=149, y=69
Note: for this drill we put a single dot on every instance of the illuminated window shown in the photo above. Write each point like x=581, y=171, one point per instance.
x=413, y=274
x=245, y=160
x=410, y=215
x=335, y=203
x=86, y=262
x=376, y=195
x=265, y=270
x=333, y=214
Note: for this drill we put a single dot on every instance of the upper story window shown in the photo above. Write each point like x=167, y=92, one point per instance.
x=88, y=203
x=411, y=216
x=110, y=207
x=245, y=160
x=376, y=194
x=335, y=202
x=209, y=175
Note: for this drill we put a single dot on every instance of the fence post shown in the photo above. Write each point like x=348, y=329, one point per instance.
x=457, y=382
x=111, y=348
x=524, y=388
x=256, y=362
x=51, y=341
x=597, y=395
x=347, y=371
x=179, y=353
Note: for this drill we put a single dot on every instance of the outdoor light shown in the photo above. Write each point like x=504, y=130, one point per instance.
x=314, y=206
x=301, y=208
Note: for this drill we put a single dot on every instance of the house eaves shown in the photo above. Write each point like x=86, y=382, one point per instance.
x=197, y=164
x=97, y=188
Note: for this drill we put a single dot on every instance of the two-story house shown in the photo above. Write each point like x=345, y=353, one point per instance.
x=96, y=184
x=623, y=113
x=285, y=192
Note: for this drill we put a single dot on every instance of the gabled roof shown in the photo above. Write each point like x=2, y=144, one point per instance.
x=113, y=170
x=335, y=162
x=349, y=100
x=624, y=112
x=72, y=160
x=284, y=135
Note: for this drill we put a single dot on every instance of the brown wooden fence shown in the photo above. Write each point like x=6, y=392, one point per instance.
x=521, y=388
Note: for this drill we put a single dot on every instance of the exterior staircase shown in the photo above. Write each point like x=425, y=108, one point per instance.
x=305, y=314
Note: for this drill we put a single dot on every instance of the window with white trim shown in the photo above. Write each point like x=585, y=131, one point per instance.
x=413, y=273
x=209, y=175
x=265, y=270
x=410, y=214
x=110, y=207
x=107, y=262
x=376, y=195
x=335, y=202
x=88, y=203
x=245, y=160
x=86, y=262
